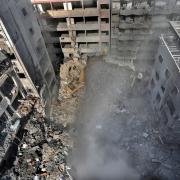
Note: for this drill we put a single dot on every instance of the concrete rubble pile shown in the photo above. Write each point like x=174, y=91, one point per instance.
x=43, y=150
x=41, y=154
x=72, y=89
x=72, y=77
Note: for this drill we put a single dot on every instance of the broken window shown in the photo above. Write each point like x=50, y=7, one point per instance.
x=160, y=59
x=105, y=32
x=105, y=20
x=21, y=75
x=167, y=74
x=17, y=102
x=157, y=76
x=7, y=87
x=3, y=120
x=104, y=6
x=88, y=19
x=158, y=98
x=171, y=107
x=10, y=111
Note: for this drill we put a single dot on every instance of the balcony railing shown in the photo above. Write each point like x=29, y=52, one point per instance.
x=171, y=43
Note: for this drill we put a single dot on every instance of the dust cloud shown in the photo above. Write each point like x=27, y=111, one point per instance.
x=114, y=130
x=97, y=154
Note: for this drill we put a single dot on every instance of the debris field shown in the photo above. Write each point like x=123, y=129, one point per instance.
x=43, y=150
x=107, y=130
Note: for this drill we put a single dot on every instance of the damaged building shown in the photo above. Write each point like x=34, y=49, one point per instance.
x=38, y=37
x=164, y=84
x=136, y=26
x=26, y=69
x=80, y=28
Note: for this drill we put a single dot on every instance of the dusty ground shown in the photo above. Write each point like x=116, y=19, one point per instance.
x=117, y=132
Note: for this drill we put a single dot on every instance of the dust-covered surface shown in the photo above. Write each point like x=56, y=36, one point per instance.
x=40, y=153
x=117, y=131
x=113, y=133
x=45, y=146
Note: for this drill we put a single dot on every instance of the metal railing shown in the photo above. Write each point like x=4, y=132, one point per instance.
x=172, y=46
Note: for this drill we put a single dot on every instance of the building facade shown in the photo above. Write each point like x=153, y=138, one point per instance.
x=79, y=27
x=136, y=26
x=165, y=84
x=31, y=59
x=26, y=73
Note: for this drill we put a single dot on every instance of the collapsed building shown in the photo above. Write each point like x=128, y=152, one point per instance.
x=36, y=36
